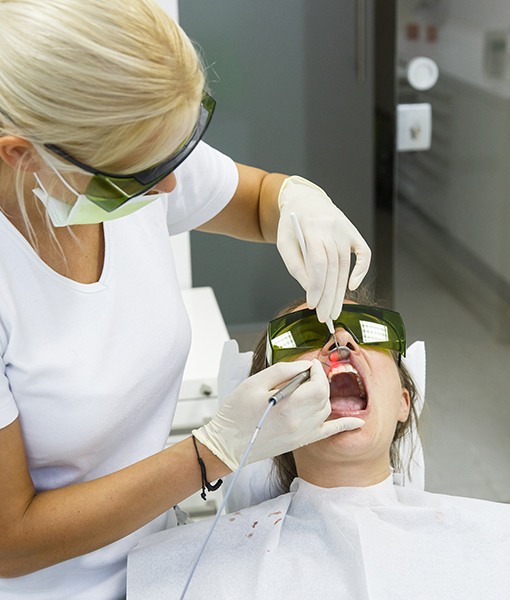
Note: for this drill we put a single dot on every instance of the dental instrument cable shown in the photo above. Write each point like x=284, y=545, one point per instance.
x=279, y=395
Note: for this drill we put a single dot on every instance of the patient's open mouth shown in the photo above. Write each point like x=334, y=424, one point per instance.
x=347, y=391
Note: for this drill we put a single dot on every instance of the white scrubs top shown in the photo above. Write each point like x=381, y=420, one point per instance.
x=94, y=370
x=381, y=542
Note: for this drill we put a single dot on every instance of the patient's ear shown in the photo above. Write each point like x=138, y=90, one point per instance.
x=19, y=153
x=405, y=405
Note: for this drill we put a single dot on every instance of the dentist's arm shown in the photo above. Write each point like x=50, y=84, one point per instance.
x=40, y=529
x=253, y=212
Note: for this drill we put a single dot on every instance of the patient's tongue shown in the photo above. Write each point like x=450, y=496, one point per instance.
x=344, y=394
x=349, y=404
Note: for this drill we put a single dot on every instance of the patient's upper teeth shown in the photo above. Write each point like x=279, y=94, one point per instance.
x=338, y=368
x=342, y=368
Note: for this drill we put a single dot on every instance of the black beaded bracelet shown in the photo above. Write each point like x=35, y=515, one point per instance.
x=211, y=487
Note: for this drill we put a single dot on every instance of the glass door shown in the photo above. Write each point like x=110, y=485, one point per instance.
x=453, y=248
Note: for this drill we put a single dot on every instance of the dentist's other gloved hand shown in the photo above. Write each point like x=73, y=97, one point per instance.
x=330, y=239
x=295, y=421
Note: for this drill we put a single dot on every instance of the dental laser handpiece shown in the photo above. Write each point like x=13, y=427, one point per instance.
x=302, y=245
x=291, y=387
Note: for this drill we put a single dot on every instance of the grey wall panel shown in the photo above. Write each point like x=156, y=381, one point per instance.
x=283, y=74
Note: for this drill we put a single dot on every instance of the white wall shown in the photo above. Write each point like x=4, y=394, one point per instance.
x=171, y=6
x=462, y=184
x=483, y=14
x=487, y=14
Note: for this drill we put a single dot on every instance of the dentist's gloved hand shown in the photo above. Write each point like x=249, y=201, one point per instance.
x=330, y=239
x=293, y=422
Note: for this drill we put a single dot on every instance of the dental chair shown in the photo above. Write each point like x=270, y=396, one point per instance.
x=255, y=485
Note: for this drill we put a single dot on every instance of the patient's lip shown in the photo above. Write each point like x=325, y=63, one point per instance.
x=339, y=414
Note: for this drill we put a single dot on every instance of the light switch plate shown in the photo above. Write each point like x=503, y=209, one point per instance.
x=414, y=127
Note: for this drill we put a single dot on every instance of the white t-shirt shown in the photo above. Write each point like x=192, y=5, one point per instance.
x=94, y=370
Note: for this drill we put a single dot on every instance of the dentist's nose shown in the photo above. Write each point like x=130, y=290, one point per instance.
x=166, y=185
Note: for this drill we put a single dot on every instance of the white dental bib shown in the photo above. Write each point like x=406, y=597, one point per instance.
x=380, y=542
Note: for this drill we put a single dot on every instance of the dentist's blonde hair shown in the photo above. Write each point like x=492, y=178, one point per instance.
x=109, y=82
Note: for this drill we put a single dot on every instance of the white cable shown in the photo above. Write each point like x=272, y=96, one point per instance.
x=279, y=395
x=270, y=405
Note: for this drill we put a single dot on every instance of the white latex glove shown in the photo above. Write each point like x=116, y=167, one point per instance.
x=293, y=422
x=330, y=239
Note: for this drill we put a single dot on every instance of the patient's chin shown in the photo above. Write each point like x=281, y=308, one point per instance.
x=346, y=448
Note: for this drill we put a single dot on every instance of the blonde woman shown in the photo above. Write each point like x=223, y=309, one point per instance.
x=102, y=111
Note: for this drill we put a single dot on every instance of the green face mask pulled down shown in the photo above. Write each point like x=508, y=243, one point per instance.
x=84, y=211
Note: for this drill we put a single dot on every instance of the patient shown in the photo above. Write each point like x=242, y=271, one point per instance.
x=341, y=528
x=371, y=384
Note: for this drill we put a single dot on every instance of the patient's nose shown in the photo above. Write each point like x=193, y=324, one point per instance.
x=345, y=340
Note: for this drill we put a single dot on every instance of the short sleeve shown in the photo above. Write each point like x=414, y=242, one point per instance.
x=206, y=182
x=8, y=408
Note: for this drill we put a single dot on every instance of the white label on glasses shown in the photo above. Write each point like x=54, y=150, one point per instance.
x=373, y=332
x=285, y=340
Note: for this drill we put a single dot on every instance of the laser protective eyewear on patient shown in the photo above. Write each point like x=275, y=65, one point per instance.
x=300, y=331
x=109, y=190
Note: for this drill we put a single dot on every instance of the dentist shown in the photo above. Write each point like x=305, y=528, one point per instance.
x=102, y=111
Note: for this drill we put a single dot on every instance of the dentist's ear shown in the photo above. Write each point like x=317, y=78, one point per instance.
x=18, y=153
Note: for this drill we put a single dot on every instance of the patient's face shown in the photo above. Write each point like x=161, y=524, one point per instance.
x=366, y=385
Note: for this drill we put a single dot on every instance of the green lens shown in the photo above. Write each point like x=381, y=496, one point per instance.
x=373, y=326
x=109, y=192
x=300, y=331
x=296, y=333
x=209, y=103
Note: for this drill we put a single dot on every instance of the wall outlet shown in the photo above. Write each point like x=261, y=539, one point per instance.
x=414, y=127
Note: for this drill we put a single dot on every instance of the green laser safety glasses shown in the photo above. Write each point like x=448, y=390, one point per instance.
x=299, y=332
x=109, y=191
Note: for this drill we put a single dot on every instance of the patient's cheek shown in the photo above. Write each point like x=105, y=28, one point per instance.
x=385, y=367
